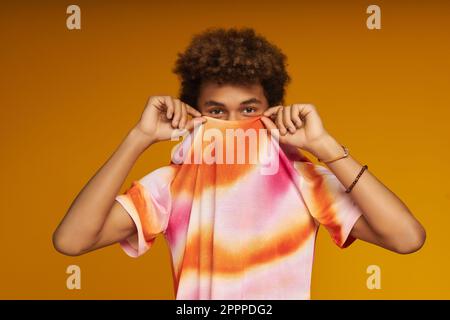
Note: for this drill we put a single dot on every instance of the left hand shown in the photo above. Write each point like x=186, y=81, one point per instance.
x=298, y=124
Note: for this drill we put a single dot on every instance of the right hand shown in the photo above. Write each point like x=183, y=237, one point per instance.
x=164, y=114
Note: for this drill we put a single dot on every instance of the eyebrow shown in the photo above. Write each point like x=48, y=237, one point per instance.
x=220, y=104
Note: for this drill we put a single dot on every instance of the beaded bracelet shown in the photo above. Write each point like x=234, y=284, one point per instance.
x=356, y=179
x=346, y=154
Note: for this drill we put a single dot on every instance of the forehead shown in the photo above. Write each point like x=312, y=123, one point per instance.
x=230, y=93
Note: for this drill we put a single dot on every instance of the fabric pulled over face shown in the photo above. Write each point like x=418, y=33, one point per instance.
x=237, y=217
x=240, y=213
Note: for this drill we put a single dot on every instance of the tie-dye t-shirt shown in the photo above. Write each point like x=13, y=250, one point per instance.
x=234, y=230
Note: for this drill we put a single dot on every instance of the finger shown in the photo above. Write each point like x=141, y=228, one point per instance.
x=177, y=114
x=279, y=122
x=295, y=116
x=271, y=111
x=192, y=111
x=183, y=115
x=194, y=122
x=287, y=119
x=170, y=107
x=309, y=114
x=270, y=125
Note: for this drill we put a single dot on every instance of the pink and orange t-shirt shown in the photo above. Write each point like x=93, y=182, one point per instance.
x=235, y=231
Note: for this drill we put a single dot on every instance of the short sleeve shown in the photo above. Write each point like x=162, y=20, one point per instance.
x=148, y=202
x=328, y=203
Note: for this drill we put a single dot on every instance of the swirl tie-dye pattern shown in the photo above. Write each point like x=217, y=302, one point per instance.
x=234, y=232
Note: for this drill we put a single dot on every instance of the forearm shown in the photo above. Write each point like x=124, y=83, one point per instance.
x=88, y=212
x=386, y=214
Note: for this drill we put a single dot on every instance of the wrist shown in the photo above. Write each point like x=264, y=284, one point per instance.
x=138, y=140
x=327, y=148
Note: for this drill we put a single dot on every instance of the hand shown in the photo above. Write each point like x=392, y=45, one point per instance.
x=299, y=125
x=163, y=115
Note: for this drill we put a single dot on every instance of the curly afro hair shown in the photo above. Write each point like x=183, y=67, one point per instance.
x=231, y=56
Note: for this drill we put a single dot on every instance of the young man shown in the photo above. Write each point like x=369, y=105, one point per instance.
x=234, y=75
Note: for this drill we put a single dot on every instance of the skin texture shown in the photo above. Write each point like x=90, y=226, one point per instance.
x=95, y=219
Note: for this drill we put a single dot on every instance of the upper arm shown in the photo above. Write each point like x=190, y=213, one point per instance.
x=142, y=212
x=362, y=230
x=328, y=203
x=117, y=227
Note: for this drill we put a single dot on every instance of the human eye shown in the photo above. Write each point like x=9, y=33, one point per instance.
x=249, y=110
x=216, y=111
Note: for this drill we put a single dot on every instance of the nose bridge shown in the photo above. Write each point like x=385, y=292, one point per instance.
x=233, y=115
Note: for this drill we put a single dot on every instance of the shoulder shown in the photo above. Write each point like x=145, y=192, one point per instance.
x=304, y=166
x=160, y=176
x=317, y=175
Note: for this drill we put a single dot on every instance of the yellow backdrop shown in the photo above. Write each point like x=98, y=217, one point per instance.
x=68, y=97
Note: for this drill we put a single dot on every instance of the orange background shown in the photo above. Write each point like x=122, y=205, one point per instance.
x=69, y=97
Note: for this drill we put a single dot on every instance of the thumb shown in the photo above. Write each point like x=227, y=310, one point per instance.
x=194, y=122
x=268, y=123
x=271, y=127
